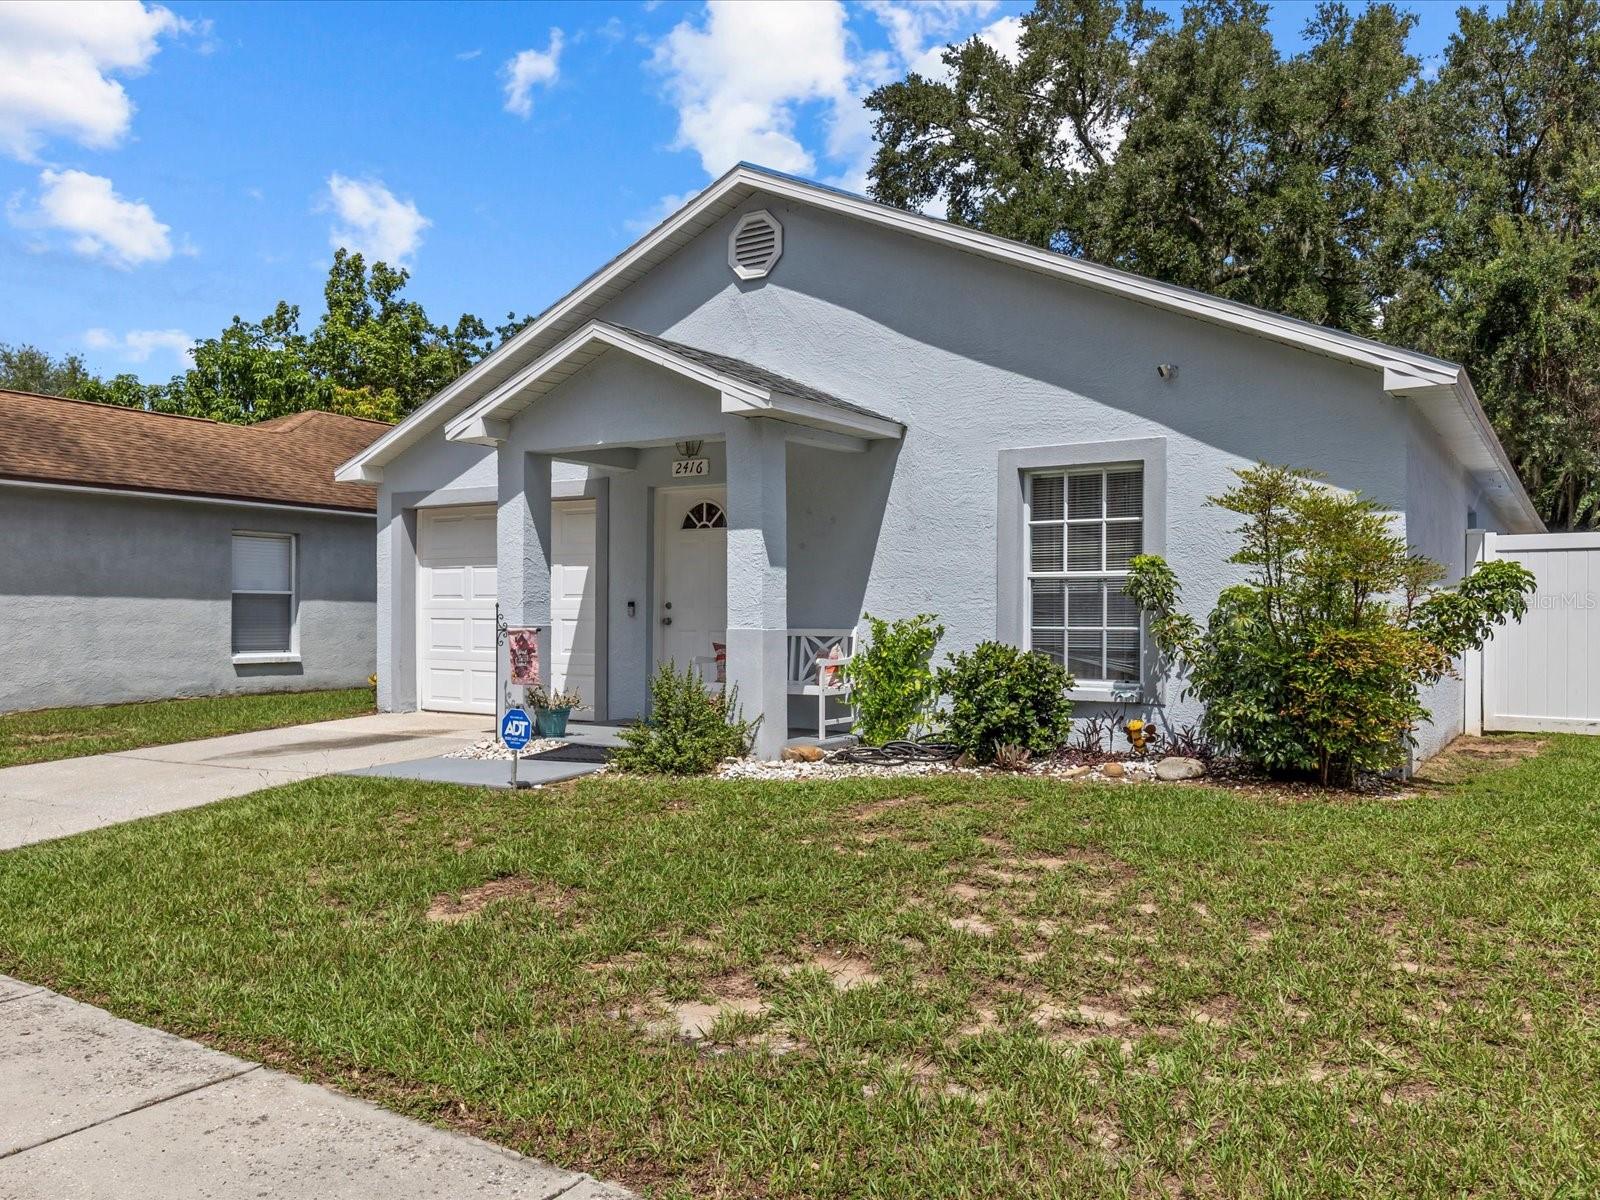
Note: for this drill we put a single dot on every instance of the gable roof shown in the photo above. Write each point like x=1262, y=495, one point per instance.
x=1441, y=389
x=745, y=388
x=287, y=460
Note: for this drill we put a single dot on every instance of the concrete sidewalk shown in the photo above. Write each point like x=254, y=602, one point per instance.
x=496, y=772
x=54, y=799
x=96, y=1108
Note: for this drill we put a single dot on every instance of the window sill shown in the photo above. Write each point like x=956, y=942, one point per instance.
x=1107, y=693
x=259, y=659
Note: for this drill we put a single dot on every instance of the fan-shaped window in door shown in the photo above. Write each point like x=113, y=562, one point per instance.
x=705, y=515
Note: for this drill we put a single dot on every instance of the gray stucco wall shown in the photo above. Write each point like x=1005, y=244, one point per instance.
x=1440, y=498
x=978, y=360
x=109, y=598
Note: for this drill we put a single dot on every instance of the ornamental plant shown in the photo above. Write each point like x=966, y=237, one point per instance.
x=691, y=729
x=1317, y=663
x=892, y=681
x=1002, y=696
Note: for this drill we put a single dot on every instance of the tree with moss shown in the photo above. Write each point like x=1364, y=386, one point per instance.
x=1459, y=215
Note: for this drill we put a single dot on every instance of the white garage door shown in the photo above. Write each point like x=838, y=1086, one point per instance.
x=572, y=599
x=455, y=610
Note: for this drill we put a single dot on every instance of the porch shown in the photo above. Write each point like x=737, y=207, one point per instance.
x=736, y=513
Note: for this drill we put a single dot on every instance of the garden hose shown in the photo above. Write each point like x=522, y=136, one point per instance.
x=897, y=753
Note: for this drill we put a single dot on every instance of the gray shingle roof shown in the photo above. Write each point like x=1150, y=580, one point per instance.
x=748, y=372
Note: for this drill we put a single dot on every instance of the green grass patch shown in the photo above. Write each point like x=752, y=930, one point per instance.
x=917, y=987
x=52, y=733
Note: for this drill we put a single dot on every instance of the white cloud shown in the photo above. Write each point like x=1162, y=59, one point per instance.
x=531, y=69
x=137, y=345
x=373, y=220
x=97, y=222
x=743, y=76
x=468, y=55
x=738, y=78
x=659, y=212
x=911, y=27
x=56, y=63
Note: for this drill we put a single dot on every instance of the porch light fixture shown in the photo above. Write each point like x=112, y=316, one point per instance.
x=688, y=449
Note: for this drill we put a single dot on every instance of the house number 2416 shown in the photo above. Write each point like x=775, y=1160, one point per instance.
x=684, y=468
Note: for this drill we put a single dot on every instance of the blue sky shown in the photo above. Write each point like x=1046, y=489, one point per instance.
x=167, y=167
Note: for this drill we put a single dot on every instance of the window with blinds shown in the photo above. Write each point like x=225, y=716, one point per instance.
x=263, y=593
x=1084, y=527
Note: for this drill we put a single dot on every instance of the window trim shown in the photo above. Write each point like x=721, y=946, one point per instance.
x=1012, y=546
x=1066, y=576
x=261, y=657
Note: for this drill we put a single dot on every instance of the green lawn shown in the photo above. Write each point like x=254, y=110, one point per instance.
x=1053, y=989
x=52, y=733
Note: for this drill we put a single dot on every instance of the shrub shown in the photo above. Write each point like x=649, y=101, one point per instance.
x=1316, y=664
x=690, y=729
x=893, y=686
x=1002, y=696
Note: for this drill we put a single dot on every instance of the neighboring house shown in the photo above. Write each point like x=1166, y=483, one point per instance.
x=144, y=555
x=880, y=412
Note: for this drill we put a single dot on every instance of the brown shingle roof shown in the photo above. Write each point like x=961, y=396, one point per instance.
x=287, y=460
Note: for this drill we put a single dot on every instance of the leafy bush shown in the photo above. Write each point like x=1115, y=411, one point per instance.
x=1317, y=663
x=1002, y=696
x=690, y=729
x=893, y=685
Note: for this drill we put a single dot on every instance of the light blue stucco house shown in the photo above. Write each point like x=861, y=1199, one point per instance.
x=786, y=406
x=147, y=555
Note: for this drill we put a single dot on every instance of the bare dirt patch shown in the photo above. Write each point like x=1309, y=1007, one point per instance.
x=1471, y=755
x=450, y=910
x=1219, y=1010
x=44, y=739
x=1413, y=1091
x=733, y=994
x=973, y=925
x=877, y=808
x=622, y=962
x=844, y=971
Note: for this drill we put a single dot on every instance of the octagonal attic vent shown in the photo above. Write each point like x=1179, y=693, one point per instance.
x=755, y=244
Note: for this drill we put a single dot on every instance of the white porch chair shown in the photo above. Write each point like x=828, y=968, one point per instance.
x=816, y=668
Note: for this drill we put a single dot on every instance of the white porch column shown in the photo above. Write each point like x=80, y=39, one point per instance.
x=522, y=553
x=758, y=576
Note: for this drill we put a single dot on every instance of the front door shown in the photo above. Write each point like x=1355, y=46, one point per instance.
x=691, y=577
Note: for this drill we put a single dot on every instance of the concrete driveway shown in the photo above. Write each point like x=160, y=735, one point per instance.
x=54, y=799
x=97, y=1108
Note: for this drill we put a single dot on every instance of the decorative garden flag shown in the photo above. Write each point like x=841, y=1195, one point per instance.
x=524, y=645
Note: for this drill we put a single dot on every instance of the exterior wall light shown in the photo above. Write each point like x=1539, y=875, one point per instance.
x=1168, y=371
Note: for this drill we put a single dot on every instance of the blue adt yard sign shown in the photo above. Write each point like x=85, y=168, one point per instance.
x=516, y=731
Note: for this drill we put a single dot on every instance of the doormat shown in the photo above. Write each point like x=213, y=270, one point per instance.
x=573, y=754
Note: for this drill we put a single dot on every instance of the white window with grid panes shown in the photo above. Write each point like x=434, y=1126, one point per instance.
x=1084, y=526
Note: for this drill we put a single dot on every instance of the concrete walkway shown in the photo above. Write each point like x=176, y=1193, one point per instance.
x=496, y=772
x=96, y=1108
x=54, y=799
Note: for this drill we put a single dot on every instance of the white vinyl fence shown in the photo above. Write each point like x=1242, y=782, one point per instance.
x=1542, y=674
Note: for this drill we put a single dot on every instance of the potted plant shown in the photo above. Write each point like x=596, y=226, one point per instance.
x=551, y=710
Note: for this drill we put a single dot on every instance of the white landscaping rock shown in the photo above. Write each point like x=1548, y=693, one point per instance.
x=1173, y=769
x=490, y=748
x=747, y=768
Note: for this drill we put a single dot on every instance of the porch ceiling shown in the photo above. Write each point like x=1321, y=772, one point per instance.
x=745, y=388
